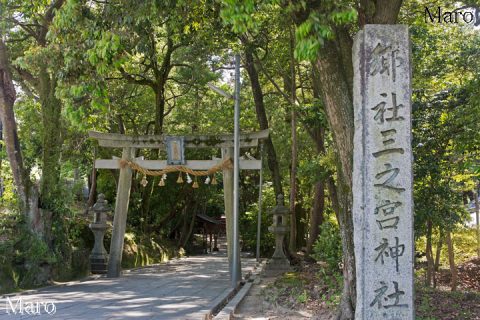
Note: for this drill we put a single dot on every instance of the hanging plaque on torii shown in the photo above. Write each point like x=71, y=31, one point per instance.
x=175, y=150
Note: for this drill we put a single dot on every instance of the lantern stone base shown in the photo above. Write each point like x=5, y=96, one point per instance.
x=98, y=264
x=99, y=256
x=279, y=263
x=277, y=266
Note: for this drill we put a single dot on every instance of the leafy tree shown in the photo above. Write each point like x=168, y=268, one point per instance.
x=26, y=25
x=445, y=127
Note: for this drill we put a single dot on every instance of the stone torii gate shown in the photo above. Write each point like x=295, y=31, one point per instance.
x=130, y=143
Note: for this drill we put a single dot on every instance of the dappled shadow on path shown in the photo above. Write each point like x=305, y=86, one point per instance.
x=181, y=289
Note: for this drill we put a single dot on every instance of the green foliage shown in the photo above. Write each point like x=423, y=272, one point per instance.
x=35, y=258
x=311, y=36
x=145, y=251
x=288, y=289
x=249, y=223
x=303, y=297
x=319, y=168
x=8, y=200
x=328, y=247
x=24, y=256
x=318, y=28
x=464, y=245
x=239, y=14
x=425, y=307
x=246, y=17
x=333, y=281
x=445, y=119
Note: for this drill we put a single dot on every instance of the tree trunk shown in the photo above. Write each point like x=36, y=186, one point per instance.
x=293, y=168
x=316, y=215
x=451, y=260
x=159, y=108
x=92, y=194
x=293, y=184
x=262, y=117
x=333, y=195
x=477, y=217
x=348, y=299
x=26, y=191
x=438, y=251
x=339, y=109
x=429, y=254
x=51, y=151
x=153, y=154
x=436, y=264
x=1, y=148
x=7, y=100
x=301, y=215
x=161, y=77
x=2, y=187
x=189, y=228
x=52, y=145
x=317, y=133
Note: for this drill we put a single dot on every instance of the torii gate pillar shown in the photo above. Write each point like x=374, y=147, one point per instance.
x=120, y=217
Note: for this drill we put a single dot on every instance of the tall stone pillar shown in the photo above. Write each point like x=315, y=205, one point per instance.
x=382, y=175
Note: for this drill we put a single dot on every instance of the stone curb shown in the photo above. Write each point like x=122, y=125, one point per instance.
x=226, y=295
x=228, y=311
x=208, y=311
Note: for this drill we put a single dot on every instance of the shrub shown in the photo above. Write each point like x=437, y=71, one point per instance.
x=328, y=247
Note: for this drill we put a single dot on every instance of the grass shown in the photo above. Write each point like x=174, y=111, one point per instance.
x=310, y=288
x=436, y=304
x=290, y=289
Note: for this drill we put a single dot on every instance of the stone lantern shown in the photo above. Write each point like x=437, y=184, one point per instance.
x=99, y=256
x=279, y=262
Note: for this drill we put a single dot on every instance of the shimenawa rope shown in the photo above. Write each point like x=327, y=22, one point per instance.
x=225, y=164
